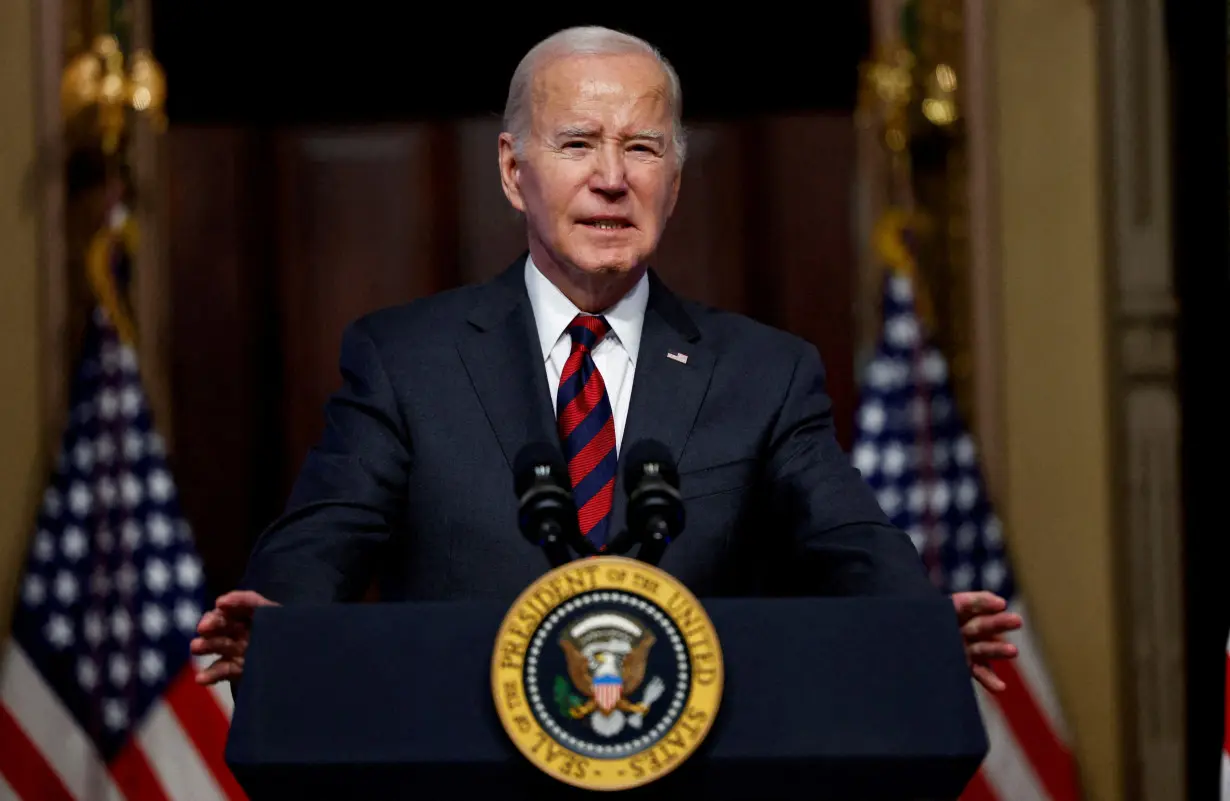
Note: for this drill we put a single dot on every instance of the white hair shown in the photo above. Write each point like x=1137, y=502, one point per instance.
x=585, y=41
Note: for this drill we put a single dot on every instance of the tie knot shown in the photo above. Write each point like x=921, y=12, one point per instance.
x=587, y=330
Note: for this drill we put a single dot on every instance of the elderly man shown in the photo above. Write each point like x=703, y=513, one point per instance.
x=579, y=343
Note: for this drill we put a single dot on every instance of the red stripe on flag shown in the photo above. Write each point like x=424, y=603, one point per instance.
x=134, y=776
x=206, y=725
x=979, y=789
x=596, y=508
x=1049, y=757
x=1225, y=741
x=23, y=766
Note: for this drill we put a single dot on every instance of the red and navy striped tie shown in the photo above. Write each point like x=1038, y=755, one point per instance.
x=587, y=429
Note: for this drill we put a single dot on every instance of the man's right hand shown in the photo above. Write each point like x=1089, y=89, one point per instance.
x=225, y=631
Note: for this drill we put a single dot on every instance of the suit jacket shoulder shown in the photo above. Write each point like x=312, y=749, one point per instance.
x=428, y=320
x=729, y=331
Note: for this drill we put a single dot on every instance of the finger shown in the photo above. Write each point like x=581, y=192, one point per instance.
x=235, y=606
x=987, y=678
x=987, y=625
x=239, y=631
x=211, y=621
x=236, y=630
x=211, y=674
x=969, y=604
x=992, y=650
x=219, y=670
x=242, y=602
x=1002, y=623
x=222, y=646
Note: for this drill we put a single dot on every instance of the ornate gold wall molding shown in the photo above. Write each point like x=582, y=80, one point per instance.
x=23, y=232
x=50, y=191
x=72, y=198
x=1145, y=404
x=982, y=224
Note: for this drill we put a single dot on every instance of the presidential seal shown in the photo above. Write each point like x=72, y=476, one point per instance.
x=607, y=673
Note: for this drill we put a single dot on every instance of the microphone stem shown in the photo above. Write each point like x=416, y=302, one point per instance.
x=657, y=537
x=553, y=543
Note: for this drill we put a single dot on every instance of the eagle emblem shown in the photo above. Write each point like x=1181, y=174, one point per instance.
x=607, y=655
x=614, y=680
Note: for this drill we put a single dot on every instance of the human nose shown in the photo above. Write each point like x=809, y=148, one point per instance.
x=610, y=175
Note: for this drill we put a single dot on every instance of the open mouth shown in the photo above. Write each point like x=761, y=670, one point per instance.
x=607, y=223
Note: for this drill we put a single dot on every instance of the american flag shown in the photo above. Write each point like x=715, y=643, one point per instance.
x=97, y=698
x=1225, y=738
x=911, y=447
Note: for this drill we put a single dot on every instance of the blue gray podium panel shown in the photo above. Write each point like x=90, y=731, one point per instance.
x=825, y=698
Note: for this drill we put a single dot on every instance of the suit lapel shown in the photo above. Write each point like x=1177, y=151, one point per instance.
x=504, y=361
x=666, y=392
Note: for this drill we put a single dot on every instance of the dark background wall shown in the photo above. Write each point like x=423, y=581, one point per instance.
x=370, y=60
x=1196, y=38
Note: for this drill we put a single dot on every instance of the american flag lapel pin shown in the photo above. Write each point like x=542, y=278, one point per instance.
x=682, y=358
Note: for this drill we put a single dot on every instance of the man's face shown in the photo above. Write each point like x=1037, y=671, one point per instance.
x=598, y=177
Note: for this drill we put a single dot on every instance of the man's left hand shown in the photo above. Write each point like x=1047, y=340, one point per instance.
x=984, y=620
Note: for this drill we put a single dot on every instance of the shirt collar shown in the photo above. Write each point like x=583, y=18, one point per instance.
x=553, y=311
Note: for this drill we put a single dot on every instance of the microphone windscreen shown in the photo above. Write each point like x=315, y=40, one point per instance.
x=647, y=452
x=533, y=456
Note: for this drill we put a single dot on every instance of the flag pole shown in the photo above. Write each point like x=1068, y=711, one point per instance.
x=102, y=90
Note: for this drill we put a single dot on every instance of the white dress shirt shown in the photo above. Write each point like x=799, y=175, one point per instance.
x=615, y=355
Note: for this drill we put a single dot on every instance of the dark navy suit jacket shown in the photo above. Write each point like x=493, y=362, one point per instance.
x=411, y=483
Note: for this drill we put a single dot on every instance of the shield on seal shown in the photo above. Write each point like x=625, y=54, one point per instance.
x=607, y=691
x=606, y=654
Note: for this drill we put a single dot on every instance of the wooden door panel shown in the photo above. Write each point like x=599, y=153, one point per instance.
x=359, y=227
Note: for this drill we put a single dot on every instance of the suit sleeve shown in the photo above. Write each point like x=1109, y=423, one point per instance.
x=846, y=544
x=348, y=495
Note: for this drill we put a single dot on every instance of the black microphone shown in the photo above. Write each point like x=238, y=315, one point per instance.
x=546, y=513
x=655, y=507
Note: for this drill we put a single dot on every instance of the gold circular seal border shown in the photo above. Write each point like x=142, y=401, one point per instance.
x=537, y=602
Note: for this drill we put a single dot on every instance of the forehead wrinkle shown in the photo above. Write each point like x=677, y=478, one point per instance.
x=627, y=125
x=588, y=90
